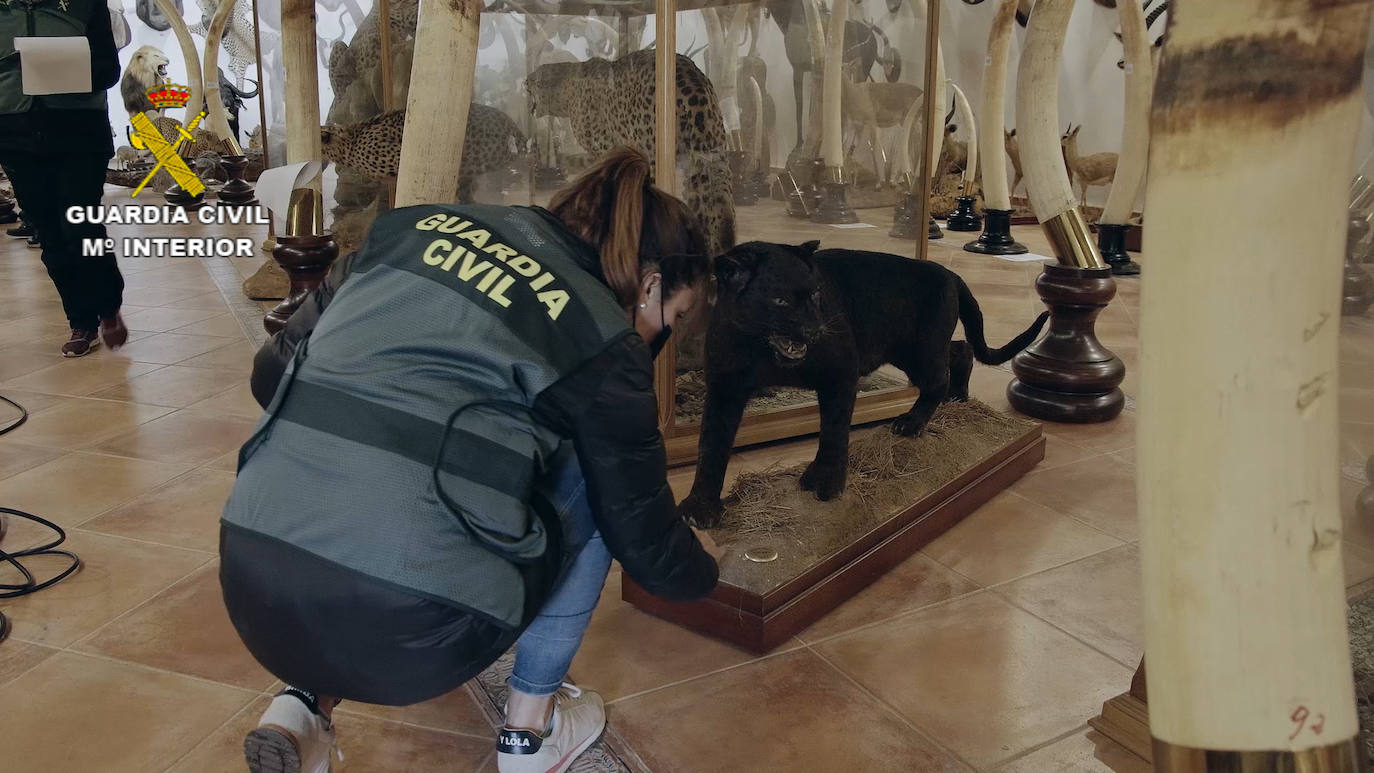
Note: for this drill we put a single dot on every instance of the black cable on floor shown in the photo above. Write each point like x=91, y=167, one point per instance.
x=31, y=583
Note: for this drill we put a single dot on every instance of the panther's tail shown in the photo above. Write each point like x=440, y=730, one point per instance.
x=972, y=317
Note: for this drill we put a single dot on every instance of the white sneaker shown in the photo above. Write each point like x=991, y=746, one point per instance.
x=291, y=737
x=579, y=716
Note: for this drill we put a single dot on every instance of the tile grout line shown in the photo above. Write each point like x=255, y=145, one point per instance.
x=211, y=734
x=1129, y=666
x=135, y=608
x=889, y=708
x=797, y=644
x=996, y=766
x=906, y=613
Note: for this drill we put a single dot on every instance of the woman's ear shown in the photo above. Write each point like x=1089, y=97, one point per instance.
x=651, y=281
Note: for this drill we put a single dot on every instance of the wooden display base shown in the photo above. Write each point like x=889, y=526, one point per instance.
x=1125, y=719
x=759, y=622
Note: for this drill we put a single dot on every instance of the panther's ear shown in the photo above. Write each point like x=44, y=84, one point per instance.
x=806, y=250
x=734, y=269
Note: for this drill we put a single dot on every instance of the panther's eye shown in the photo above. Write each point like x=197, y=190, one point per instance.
x=779, y=301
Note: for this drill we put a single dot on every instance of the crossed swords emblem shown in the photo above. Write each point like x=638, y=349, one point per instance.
x=166, y=153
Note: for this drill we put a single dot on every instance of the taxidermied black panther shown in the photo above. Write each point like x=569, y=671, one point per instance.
x=792, y=316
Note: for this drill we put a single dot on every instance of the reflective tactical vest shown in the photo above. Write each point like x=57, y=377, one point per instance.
x=400, y=443
x=41, y=18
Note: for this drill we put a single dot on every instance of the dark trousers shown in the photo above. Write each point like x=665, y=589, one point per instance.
x=46, y=184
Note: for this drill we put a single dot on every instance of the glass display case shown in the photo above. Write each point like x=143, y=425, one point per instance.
x=559, y=84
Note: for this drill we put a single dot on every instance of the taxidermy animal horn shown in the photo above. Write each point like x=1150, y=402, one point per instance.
x=966, y=115
x=214, y=103
x=992, y=134
x=1135, y=131
x=188, y=51
x=1037, y=112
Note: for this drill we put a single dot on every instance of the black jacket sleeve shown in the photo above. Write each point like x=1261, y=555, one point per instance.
x=611, y=409
x=271, y=360
x=104, y=54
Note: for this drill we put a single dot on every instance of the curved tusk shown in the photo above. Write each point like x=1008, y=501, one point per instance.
x=1135, y=131
x=832, y=133
x=993, y=109
x=188, y=52
x=1037, y=121
x=937, y=143
x=966, y=115
x=214, y=105
x=758, y=119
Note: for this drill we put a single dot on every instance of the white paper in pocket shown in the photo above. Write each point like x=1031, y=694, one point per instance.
x=54, y=65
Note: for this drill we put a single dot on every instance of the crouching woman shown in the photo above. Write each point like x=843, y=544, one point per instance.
x=460, y=435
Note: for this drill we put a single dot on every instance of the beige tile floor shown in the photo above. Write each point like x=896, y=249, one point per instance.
x=989, y=650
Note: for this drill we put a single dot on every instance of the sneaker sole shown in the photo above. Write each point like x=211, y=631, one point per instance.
x=572, y=756
x=89, y=349
x=271, y=750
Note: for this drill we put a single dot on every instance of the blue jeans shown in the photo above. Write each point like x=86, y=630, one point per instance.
x=545, y=650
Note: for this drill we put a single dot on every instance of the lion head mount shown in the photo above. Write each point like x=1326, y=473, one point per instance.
x=147, y=68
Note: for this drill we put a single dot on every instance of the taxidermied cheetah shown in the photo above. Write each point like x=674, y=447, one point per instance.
x=611, y=103
x=373, y=147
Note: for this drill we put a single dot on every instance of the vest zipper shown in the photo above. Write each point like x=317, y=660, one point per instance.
x=28, y=11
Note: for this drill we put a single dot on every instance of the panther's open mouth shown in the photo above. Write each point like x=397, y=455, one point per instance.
x=788, y=352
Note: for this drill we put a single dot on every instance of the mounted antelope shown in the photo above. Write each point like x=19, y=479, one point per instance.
x=1097, y=169
x=872, y=106
x=1013, y=152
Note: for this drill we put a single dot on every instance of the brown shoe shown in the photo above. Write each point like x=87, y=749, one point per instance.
x=113, y=332
x=80, y=344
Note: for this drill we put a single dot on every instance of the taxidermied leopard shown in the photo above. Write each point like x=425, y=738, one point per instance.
x=611, y=103
x=373, y=147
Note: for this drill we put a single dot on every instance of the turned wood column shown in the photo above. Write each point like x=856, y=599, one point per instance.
x=1237, y=442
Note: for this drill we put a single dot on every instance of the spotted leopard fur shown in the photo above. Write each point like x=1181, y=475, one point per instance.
x=373, y=147
x=611, y=103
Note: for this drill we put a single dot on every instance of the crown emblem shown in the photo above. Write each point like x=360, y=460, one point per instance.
x=169, y=95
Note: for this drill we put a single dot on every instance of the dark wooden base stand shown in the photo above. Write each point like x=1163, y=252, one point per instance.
x=904, y=219
x=1068, y=375
x=306, y=260
x=996, y=237
x=1111, y=242
x=178, y=196
x=236, y=191
x=548, y=178
x=963, y=218
x=834, y=206
x=762, y=622
x=1125, y=719
x=933, y=230
x=746, y=195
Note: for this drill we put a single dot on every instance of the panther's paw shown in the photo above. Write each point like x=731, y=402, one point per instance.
x=826, y=482
x=699, y=512
x=907, y=425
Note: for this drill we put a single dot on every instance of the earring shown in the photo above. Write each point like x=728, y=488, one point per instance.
x=643, y=305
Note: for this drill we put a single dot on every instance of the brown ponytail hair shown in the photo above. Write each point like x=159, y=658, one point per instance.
x=637, y=228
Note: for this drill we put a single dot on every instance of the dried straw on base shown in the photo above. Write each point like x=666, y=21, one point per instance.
x=886, y=474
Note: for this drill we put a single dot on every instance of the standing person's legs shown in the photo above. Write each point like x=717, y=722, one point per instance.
x=82, y=184
x=91, y=288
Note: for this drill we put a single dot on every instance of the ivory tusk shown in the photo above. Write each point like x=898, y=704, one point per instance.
x=1135, y=132
x=832, y=140
x=992, y=113
x=437, y=119
x=188, y=51
x=1037, y=123
x=966, y=115
x=214, y=104
x=757, y=94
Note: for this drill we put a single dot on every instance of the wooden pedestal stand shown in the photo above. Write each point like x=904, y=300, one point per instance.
x=759, y=622
x=1125, y=719
x=306, y=260
x=904, y=218
x=933, y=230
x=1068, y=375
x=237, y=191
x=996, y=237
x=1111, y=242
x=178, y=196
